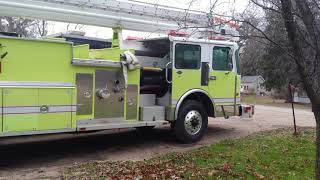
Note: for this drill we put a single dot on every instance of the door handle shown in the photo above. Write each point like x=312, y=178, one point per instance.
x=179, y=72
x=167, y=73
x=212, y=78
x=3, y=55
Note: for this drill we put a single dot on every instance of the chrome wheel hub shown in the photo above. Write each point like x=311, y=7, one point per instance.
x=193, y=122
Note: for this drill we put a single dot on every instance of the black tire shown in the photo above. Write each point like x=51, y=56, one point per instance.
x=145, y=129
x=172, y=124
x=190, y=112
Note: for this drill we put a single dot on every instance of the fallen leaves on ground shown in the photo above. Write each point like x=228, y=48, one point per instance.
x=159, y=169
x=268, y=155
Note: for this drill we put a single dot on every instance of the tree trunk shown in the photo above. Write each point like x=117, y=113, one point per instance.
x=317, y=116
x=297, y=51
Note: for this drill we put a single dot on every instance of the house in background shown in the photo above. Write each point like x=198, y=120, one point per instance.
x=253, y=85
x=300, y=96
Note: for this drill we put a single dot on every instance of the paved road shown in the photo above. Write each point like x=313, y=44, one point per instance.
x=44, y=156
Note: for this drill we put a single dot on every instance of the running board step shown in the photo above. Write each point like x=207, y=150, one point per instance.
x=96, y=125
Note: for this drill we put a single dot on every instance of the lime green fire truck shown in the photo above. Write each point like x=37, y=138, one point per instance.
x=51, y=86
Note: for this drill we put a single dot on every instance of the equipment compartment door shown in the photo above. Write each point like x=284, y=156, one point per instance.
x=20, y=109
x=55, y=109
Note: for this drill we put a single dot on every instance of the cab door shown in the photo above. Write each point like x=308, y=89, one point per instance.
x=223, y=75
x=186, y=73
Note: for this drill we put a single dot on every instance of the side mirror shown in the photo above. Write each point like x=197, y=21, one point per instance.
x=205, y=72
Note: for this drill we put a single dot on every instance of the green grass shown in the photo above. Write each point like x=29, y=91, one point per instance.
x=269, y=101
x=269, y=155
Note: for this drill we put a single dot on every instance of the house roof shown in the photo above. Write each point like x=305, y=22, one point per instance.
x=251, y=79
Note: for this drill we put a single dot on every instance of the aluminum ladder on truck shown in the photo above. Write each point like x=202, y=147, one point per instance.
x=129, y=15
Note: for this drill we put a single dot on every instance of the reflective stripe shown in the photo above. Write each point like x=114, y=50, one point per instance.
x=22, y=84
x=225, y=100
x=25, y=83
x=60, y=109
x=8, y=134
x=36, y=109
x=74, y=108
x=21, y=110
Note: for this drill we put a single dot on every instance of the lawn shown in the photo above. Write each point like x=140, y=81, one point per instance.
x=268, y=155
x=269, y=101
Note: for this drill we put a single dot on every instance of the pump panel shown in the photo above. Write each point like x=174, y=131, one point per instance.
x=110, y=94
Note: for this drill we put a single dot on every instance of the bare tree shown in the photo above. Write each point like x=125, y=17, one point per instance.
x=262, y=57
x=301, y=22
x=41, y=27
x=75, y=27
x=303, y=34
x=23, y=27
x=301, y=19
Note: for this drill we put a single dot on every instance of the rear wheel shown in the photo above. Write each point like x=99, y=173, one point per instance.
x=192, y=122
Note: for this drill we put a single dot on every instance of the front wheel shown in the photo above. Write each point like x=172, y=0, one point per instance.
x=192, y=122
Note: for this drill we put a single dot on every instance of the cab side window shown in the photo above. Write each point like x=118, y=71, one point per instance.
x=187, y=56
x=222, y=59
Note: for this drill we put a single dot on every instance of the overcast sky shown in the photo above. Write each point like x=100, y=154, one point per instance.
x=224, y=7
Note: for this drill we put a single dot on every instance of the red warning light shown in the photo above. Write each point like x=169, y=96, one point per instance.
x=132, y=38
x=219, y=38
x=177, y=33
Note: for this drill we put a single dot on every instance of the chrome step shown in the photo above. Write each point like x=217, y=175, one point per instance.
x=106, y=124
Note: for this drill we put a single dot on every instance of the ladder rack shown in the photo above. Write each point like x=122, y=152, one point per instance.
x=130, y=15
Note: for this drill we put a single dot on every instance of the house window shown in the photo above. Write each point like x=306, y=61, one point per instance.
x=187, y=56
x=222, y=59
